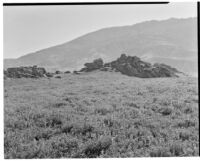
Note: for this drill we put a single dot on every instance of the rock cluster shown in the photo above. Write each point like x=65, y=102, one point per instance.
x=96, y=64
x=25, y=72
x=132, y=66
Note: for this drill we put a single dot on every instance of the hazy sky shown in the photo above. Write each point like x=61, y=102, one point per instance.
x=31, y=28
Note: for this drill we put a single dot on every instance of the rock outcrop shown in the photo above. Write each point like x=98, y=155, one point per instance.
x=132, y=66
x=96, y=64
x=25, y=72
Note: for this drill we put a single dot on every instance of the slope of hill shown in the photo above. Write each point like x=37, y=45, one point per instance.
x=172, y=41
x=74, y=116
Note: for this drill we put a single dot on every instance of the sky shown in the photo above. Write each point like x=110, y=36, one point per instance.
x=27, y=29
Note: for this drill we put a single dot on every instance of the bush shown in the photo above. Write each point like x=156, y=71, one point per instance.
x=165, y=111
x=176, y=150
x=94, y=148
x=184, y=135
x=102, y=111
x=82, y=129
x=186, y=124
x=53, y=121
x=63, y=146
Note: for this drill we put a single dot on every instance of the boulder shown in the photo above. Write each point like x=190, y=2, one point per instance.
x=25, y=72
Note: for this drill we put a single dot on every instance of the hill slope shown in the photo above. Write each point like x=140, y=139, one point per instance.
x=172, y=41
x=67, y=117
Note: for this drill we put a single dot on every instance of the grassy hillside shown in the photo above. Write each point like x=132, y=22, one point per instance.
x=100, y=114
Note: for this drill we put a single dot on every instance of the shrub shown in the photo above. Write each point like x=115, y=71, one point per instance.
x=63, y=146
x=165, y=111
x=102, y=111
x=186, y=124
x=82, y=128
x=53, y=121
x=95, y=148
x=58, y=105
x=161, y=152
x=176, y=150
x=45, y=134
x=67, y=128
x=184, y=135
x=188, y=110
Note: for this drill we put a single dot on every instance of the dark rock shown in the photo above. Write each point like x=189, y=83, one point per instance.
x=96, y=64
x=67, y=72
x=59, y=77
x=49, y=75
x=134, y=66
x=76, y=72
x=58, y=72
x=25, y=72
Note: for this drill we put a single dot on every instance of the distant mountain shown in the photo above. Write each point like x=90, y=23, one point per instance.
x=172, y=41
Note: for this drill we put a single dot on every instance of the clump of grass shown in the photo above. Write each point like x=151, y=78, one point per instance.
x=59, y=104
x=94, y=148
x=184, y=135
x=188, y=110
x=176, y=150
x=165, y=111
x=82, y=128
x=63, y=146
x=186, y=124
x=45, y=134
x=160, y=152
x=102, y=111
x=54, y=121
x=67, y=127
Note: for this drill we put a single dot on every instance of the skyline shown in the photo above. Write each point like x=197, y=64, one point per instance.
x=54, y=25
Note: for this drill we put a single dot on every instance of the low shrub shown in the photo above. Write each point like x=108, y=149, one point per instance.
x=176, y=150
x=160, y=152
x=102, y=111
x=165, y=111
x=186, y=124
x=94, y=148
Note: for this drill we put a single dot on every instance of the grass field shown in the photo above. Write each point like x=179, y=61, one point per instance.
x=100, y=114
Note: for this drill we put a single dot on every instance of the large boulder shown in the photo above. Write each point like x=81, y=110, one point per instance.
x=26, y=72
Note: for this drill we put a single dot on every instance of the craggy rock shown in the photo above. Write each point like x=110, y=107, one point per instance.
x=25, y=72
x=132, y=66
x=96, y=64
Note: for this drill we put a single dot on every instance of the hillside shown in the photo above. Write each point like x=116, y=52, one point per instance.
x=172, y=41
x=100, y=114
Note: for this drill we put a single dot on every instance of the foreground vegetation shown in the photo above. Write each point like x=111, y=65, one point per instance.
x=100, y=114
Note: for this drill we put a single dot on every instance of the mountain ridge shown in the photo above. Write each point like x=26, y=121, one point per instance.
x=155, y=37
